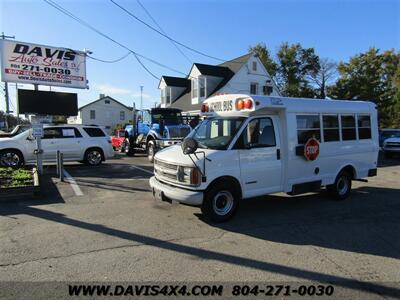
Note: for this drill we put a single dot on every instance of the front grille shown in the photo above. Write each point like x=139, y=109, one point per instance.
x=392, y=145
x=178, y=132
x=165, y=170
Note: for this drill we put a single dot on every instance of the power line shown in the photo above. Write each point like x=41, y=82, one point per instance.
x=109, y=61
x=66, y=12
x=136, y=54
x=159, y=27
x=161, y=33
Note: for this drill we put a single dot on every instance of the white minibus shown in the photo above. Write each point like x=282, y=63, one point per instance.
x=249, y=146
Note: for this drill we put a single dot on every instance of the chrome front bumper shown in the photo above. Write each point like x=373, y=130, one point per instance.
x=174, y=193
x=166, y=143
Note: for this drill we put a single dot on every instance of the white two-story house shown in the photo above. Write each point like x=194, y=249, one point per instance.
x=105, y=111
x=245, y=74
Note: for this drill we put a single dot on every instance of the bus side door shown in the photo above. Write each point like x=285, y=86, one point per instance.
x=259, y=153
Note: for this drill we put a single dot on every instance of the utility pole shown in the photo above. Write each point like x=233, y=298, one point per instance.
x=141, y=97
x=6, y=85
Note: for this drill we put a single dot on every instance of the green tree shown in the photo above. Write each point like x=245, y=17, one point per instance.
x=375, y=77
x=295, y=65
x=264, y=55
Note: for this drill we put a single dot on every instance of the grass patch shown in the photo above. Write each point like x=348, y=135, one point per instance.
x=10, y=177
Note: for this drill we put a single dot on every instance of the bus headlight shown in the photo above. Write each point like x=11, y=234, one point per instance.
x=189, y=175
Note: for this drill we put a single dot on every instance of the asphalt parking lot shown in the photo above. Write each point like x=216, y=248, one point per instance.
x=107, y=227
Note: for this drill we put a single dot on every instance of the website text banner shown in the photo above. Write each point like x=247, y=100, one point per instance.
x=38, y=64
x=346, y=289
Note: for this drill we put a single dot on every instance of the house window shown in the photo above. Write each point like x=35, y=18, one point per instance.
x=308, y=126
x=122, y=115
x=253, y=88
x=348, y=127
x=163, y=96
x=267, y=89
x=92, y=114
x=195, y=85
x=364, y=126
x=331, y=128
x=168, y=95
x=202, y=87
x=254, y=66
x=107, y=101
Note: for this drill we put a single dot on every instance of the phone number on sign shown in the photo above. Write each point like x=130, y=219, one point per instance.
x=284, y=290
x=46, y=69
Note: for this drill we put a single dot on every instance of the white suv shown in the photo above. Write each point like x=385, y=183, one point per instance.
x=88, y=144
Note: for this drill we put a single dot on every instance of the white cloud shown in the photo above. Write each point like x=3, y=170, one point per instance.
x=137, y=95
x=109, y=89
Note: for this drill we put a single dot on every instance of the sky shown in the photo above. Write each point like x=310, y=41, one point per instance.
x=223, y=29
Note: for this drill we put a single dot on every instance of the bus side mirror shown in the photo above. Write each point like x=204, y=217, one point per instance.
x=189, y=146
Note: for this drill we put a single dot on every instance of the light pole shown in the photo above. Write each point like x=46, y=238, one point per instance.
x=3, y=37
x=141, y=97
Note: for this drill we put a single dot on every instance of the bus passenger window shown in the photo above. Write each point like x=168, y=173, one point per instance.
x=308, y=126
x=364, y=127
x=348, y=127
x=331, y=128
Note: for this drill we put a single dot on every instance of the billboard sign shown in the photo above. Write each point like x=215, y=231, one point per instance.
x=38, y=64
x=47, y=103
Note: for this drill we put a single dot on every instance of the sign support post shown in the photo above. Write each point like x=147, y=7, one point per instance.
x=39, y=151
x=6, y=88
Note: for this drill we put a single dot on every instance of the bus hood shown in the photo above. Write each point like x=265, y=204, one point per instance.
x=174, y=155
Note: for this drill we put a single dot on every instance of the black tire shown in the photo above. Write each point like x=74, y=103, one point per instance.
x=123, y=147
x=93, y=157
x=130, y=147
x=341, y=189
x=220, y=202
x=151, y=151
x=11, y=158
x=387, y=155
x=130, y=152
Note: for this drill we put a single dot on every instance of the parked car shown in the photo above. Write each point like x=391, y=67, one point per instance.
x=391, y=146
x=17, y=130
x=117, y=139
x=388, y=133
x=88, y=144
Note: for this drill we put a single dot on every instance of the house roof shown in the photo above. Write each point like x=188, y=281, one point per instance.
x=225, y=70
x=103, y=98
x=176, y=81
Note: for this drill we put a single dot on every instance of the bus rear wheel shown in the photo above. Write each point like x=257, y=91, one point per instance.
x=341, y=189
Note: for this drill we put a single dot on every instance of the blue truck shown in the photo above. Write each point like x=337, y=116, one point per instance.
x=153, y=130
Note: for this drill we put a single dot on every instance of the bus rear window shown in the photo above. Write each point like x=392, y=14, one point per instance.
x=364, y=126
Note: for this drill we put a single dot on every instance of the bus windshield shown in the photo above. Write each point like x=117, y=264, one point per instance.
x=216, y=133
